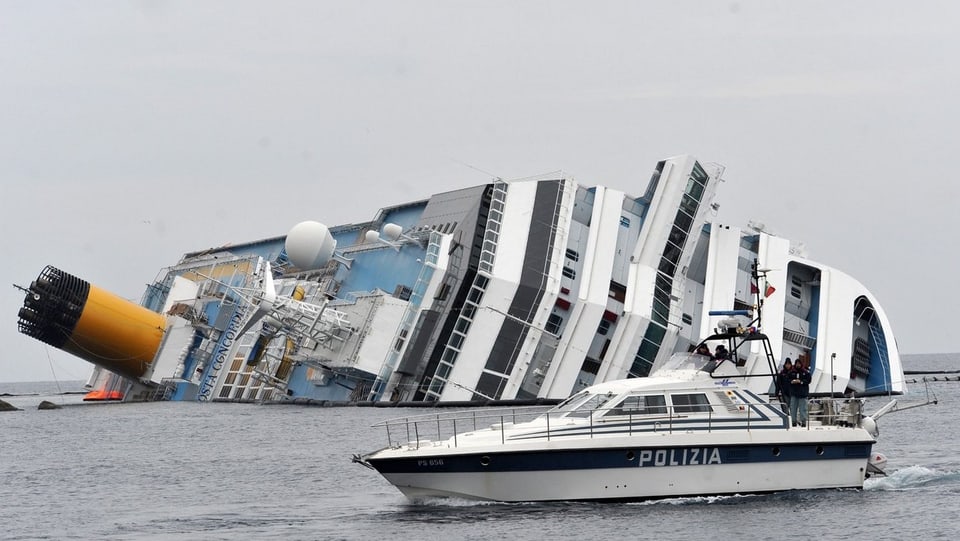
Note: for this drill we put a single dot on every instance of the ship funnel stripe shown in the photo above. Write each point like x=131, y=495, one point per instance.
x=52, y=306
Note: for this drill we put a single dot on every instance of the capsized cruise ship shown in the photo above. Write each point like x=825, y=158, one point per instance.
x=520, y=290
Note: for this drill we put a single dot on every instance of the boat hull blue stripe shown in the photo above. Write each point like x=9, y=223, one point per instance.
x=580, y=459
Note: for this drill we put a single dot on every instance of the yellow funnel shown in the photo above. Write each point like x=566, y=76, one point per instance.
x=111, y=332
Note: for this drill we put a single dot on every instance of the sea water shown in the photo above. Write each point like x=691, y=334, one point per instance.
x=186, y=470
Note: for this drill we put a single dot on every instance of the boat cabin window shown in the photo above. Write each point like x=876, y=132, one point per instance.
x=640, y=405
x=587, y=407
x=690, y=403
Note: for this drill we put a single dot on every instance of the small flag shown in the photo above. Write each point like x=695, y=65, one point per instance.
x=769, y=291
x=753, y=289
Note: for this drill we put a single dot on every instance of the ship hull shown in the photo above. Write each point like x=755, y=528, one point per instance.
x=633, y=473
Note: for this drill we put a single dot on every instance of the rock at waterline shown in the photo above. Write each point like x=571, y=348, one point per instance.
x=48, y=405
x=6, y=406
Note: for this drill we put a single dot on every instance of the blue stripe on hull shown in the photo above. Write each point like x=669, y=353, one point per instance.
x=581, y=459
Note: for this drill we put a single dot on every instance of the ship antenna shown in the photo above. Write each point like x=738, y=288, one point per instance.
x=475, y=168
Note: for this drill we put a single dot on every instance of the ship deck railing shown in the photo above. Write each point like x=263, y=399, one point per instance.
x=417, y=430
x=449, y=426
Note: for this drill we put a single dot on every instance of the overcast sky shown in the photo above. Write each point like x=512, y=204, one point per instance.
x=133, y=132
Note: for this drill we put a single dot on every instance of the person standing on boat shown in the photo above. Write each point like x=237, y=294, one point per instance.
x=783, y=383
x=799, y=390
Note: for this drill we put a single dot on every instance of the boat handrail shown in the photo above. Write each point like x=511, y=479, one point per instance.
x=470, y=419
x=432, y=428
x=466, y=413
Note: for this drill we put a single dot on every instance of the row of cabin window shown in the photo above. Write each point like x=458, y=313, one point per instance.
x=646, y=405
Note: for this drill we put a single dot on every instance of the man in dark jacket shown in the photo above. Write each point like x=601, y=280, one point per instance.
x=799, y=391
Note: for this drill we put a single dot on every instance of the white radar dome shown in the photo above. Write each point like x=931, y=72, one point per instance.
x=310, y=245
x=371, y=237
x=392, y=232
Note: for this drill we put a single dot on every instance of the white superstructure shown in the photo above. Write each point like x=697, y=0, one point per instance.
x=513, y=290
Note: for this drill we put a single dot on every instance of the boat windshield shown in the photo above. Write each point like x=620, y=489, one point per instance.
x=567, y=404
x=685, y=361
x=581, y=404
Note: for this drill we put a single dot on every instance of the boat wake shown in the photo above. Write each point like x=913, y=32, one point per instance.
x=434, y=502
x=431, y=505
x=911, y=478
x=454, y=509
x=466, y=511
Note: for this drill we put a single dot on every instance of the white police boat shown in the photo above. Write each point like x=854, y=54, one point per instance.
x=692, y=428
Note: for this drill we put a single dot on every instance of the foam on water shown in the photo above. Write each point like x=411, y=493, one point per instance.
x=911, y=478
